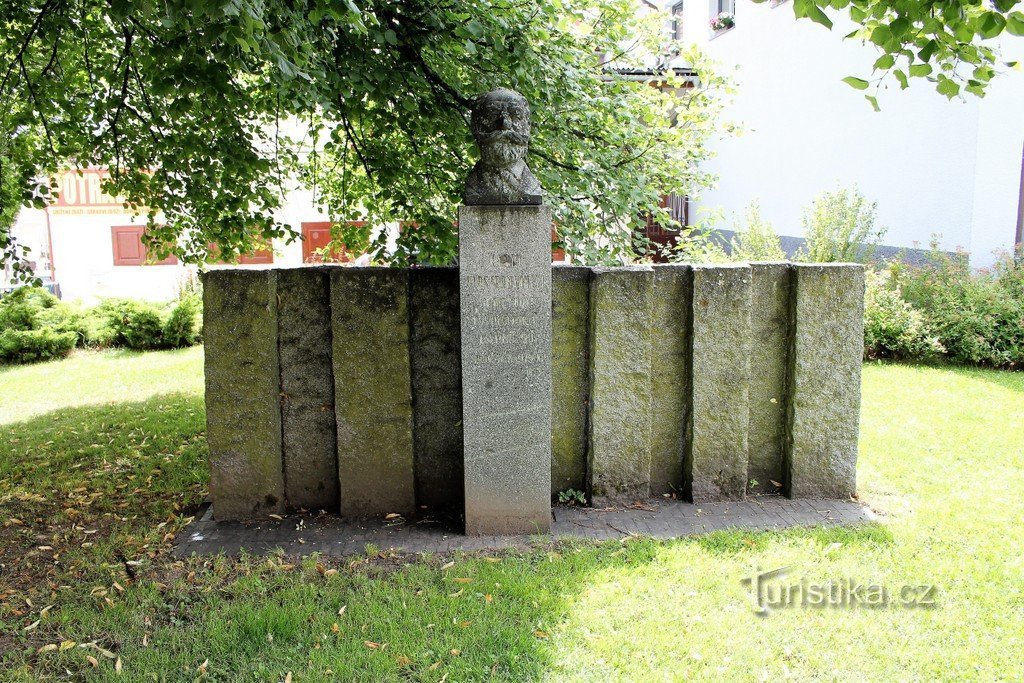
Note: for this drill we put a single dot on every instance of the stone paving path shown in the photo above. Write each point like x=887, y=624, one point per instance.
x=658, y=518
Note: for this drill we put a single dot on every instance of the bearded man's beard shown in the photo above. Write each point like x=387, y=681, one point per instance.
x=503, y=148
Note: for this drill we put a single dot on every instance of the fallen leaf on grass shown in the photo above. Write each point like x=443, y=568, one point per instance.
x=492, y=560
x=32, y=626
x=455, y=595
x=335, y=628
x=93, y=662
x=455, y=652
x=117, y=665
x=403, y=660
x=462, y=580
x=447, y=565
x=47, y=648
x=67, y=645
x=488, y=599
x=433, y=667
x=202, y=667
x=276, y=517
x=541, y=634
x=342, y=610
x=372, y=645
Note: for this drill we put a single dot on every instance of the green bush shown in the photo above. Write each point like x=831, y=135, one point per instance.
x=16, y=315
x=756, y=239
x=840, y=228
x=892, y=327
x=48, y=322
x=978, y=316
x=133, y=324
x=64, y=318
x=181, y=328
x=27, y=346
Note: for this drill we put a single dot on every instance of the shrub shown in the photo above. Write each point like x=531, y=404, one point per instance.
x=892, y=327
x=840, y=227
x=756, y=239
x=181, y=328
x=133, y=324
x=977, y=316
x=17, y=316
x=64, y=318
x=26, y=346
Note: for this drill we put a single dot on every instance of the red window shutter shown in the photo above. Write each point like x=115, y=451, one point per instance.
x=128, y=247
x=317, y=235
x=258, y=256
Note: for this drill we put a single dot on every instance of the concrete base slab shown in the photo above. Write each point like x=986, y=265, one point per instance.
x=658, y=518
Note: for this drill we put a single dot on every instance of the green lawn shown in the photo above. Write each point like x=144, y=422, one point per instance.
x=103, y=460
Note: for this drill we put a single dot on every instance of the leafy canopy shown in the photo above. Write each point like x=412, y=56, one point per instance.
x=948, y=42
x=208, y=112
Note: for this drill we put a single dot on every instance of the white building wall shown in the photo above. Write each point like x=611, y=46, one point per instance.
x=922, y=158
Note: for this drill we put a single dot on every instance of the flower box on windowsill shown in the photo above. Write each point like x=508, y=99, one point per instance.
x=723, y=22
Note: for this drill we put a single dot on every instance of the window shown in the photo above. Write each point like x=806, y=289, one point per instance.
x=723, y=15
x=129, y=249
x=316, y=236
x=677, y=21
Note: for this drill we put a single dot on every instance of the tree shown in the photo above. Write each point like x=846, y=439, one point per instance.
x=206, y=113
x=943, y=41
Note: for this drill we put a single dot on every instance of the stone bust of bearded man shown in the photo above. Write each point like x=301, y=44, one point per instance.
x=501, y=126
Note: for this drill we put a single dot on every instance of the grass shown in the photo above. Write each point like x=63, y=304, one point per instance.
x=104, y=461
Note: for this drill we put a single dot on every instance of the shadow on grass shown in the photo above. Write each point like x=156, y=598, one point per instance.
x=128, y=473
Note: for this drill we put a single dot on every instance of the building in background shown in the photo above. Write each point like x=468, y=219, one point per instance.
x=934, y=166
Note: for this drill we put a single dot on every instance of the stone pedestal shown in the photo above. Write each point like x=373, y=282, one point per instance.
x=505, y=297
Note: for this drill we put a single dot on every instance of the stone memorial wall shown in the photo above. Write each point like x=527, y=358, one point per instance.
x=341, y=388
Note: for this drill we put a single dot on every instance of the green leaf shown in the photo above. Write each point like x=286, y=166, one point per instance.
x=881, y=35
x=1015, y=24
x=902, y=78
x=874, y=102
x=991, y=24
x=920, y=70
x=948, y=87
x=885, y=62
x=856, y=83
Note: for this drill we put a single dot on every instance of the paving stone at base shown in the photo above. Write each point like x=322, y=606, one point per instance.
x=308, y=430
x=570, y=390
x=670, y=322
x=243, y=416
x=373, y=393
x=436, y=386
x=619, y=453
x=828, y=333
x=334, y=536
x=769, y=349
x=715, y=466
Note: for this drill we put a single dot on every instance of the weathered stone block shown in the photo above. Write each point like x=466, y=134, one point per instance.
x=570, y=318
x=372, y=390
x=769, y=350
x=619, y=454
x=243, y=411
x=828, y=336
x=436, y=386
x=505, y=292
x=715, y=466
x=670, y=393
x=308, y=430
